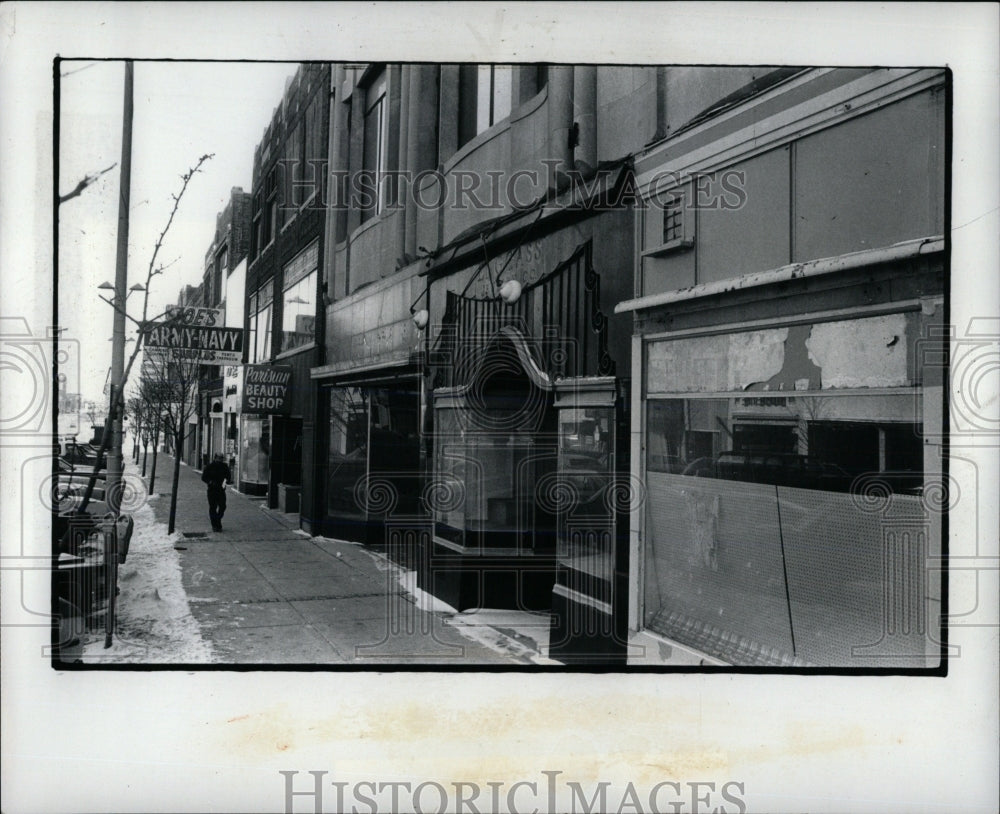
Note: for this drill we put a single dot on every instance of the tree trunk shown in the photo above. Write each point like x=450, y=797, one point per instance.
x=145, y=455
x=178, y=444
x=156, y=447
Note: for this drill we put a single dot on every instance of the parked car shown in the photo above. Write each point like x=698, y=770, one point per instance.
x=83, y=455
x=81, y=573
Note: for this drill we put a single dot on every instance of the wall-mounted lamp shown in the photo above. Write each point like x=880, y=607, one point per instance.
x=510, y=292
x=420, y=318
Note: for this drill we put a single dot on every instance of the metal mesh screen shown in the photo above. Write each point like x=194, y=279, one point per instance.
x=856, y=578
x=714, y=577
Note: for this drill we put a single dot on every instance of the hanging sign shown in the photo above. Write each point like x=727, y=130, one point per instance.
x=196, y=315
x=205, y=345
x=267, y=389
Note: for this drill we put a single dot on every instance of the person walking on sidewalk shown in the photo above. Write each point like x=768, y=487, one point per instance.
x=217, y=475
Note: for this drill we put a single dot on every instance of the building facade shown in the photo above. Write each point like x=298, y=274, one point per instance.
x=790, y=285
x=642, y=348
x=218, y=422
x=479, y=235
x=284, y=307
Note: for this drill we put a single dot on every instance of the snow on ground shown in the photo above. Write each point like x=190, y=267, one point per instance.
x=524, y=635
x=154, y=621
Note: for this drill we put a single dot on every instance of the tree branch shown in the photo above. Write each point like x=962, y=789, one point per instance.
x=86, y=182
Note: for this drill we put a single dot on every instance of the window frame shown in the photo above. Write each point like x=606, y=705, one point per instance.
x=258, y=308
x=376, y=166
x=300, y=274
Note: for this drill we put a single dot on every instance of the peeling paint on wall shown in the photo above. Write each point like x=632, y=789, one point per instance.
x=755, y=356
x=861, y=352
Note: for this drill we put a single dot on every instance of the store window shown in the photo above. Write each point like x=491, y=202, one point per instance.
x=298, y=307
x=256, y=451
x=374, y=454
x=773, y=440
x=495, y=442
x=790, y=524
x=348, y=454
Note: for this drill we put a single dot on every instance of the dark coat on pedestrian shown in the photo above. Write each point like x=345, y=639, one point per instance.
x=217, y=475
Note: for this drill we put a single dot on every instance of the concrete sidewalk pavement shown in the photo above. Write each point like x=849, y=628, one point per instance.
x=265, y=593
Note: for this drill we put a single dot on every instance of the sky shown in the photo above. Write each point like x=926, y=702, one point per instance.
x=182, y=110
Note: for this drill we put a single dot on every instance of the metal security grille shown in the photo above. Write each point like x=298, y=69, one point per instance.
x=560, y=313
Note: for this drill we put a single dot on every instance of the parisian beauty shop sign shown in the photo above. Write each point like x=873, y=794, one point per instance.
x=197, y=335
x=267, y=389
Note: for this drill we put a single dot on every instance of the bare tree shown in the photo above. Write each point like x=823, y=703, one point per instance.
x=134, y=414
x=170, y=383
x=116, y=399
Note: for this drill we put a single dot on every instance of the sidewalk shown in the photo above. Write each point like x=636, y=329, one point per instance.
x=264, y=592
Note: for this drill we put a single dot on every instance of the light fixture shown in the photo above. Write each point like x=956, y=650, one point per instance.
x=420, y=318
x=298, y=301
x=138, y=287
x=106, y=286
x=510, y=292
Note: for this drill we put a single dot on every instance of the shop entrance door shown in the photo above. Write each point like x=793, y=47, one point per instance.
x=286, y=456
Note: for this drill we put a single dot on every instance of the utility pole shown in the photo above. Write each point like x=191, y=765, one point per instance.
x=114, y=487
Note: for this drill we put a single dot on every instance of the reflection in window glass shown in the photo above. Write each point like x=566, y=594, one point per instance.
x=256, y=450
x=494, y=476
x=585, y=462
x=260, y=323
x=450, y=476
x=298, y=313
x=348, y=453
x=779, y=525
x=585, y=519
x=802, y=440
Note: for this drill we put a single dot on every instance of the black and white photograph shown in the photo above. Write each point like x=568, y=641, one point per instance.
x=479, y=407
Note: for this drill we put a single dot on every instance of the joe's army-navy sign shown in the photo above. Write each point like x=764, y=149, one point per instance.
x=197, y=335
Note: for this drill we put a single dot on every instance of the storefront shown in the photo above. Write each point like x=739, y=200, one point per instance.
x=794, y=505
x=370, y=416
x=255, y=449
x=266, y=397
x=528, y=390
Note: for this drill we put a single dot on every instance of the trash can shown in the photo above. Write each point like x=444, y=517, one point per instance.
x=288, y=497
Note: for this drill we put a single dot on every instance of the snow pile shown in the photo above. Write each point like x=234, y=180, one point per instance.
x=153, y=620
x=472, y=625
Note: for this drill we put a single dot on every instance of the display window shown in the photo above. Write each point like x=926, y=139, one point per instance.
x=256, y=450
x=487, y=484
x=373, y=464
x=792, y=526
